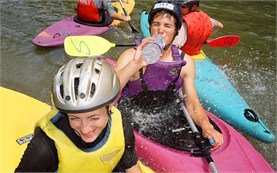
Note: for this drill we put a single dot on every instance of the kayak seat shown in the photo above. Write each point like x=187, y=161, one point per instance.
x=161, y=120
x=105, y=21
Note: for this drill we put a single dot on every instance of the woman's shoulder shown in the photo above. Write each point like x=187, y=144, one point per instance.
x=189, y=68
x=41, y=140
x=188, y=58
x=126, y=56
x=128, y=52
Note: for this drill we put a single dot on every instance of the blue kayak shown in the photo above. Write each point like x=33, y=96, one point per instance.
x=219, y=96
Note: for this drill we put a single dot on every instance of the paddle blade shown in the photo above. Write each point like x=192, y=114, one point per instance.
x=86, y=46
x=126, y=14
x=224, y=41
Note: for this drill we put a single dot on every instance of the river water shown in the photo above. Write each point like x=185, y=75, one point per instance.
x=250, y=66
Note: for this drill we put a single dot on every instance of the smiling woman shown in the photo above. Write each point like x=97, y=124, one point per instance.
x=85, y=121
x=89, y=125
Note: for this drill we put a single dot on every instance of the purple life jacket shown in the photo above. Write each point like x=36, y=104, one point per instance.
x=158, y=76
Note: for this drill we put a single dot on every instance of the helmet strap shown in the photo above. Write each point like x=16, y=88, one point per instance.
x=169, y=44
x=109, y=111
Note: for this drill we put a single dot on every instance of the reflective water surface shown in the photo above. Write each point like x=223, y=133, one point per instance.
x=250, y=66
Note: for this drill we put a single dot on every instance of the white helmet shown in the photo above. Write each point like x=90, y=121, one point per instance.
x=85, y=84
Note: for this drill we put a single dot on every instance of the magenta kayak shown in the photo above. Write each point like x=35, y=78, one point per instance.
x=55, y=34
x=236, y=154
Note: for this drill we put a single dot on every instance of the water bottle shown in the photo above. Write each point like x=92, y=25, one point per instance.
x=152, y=52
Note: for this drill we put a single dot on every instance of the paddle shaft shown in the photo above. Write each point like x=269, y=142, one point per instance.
x=197, y=135
x=125, y=45
x=126, y=14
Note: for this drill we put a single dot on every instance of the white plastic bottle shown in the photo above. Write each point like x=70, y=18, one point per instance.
x=153, y=51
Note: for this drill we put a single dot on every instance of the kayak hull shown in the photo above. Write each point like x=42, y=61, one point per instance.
x=235, y=155
x=19, y=114
x=218, y=95
x=55, y=34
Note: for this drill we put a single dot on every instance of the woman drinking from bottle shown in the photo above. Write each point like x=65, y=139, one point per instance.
x=152, y=88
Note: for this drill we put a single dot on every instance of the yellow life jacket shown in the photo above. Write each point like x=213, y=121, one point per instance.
x=72, y=159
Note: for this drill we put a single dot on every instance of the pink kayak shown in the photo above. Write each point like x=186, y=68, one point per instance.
x=236, y=154
x=55, y=34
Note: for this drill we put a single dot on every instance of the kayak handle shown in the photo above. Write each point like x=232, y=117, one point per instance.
x=252, y=116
